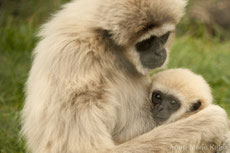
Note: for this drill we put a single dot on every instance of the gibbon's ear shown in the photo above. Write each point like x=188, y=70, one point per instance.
x=195, y=106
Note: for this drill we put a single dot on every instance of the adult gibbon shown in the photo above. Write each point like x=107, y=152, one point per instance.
x=85, y=91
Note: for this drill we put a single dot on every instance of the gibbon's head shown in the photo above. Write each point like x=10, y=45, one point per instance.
x=176, y=93
x=143, y=28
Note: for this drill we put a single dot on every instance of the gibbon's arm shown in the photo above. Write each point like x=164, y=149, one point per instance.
x=88, y=133
x=225, y=147
x=92, y=135
x=208, y=124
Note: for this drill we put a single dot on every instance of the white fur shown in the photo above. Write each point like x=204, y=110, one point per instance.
x=159, y=31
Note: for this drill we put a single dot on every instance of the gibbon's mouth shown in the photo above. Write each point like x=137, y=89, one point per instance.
x=162, y=116
x=153, y=60
x=160, y=120
x=157, y=115
x=155, y=63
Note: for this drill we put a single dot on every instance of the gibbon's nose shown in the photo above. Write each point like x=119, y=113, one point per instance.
x=160, y=52
x=160, y=108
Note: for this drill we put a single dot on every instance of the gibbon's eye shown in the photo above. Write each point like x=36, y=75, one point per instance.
x=164, y=38
x=195, y=106
x=157, y=97
x=145, y=44
x=173, y=102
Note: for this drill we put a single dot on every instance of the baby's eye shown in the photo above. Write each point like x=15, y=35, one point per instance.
x=195, y=106
x=173, y=102
x=158, y=96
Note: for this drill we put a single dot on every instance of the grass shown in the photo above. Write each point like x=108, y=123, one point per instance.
x=204, y=55
x=16, y=45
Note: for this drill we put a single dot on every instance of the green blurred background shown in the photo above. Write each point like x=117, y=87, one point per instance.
x=202, y=44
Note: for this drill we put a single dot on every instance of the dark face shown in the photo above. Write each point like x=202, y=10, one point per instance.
x=164, y=106
x=152, y=51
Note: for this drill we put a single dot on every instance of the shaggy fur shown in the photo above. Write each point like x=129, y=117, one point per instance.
x=85, y=91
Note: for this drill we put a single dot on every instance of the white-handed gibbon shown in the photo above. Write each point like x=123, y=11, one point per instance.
x=85, y=91
x=179, y=96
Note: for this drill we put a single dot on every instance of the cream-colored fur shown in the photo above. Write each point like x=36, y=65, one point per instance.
x=188, y=87
x=225, y=147
x=85, y=94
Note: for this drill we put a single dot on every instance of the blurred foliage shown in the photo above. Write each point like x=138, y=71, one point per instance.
x=19, y=20
x=195, y=48
x=31, y=11
x=197, y=29
x=210, y=17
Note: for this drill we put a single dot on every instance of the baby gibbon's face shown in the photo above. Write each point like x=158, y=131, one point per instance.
x=165, y=105
x=178, y=93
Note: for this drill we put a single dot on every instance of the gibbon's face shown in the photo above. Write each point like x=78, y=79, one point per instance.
x=152, y=52
x=142, y=29
x=165, y=105
x=151, y=49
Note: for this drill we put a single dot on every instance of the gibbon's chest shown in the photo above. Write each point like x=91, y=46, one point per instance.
x=129, y=93
x=131, y=98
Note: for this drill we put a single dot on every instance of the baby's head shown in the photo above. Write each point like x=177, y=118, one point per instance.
x=176, y=93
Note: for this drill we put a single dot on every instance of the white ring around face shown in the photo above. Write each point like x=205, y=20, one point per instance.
x=158, y=31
